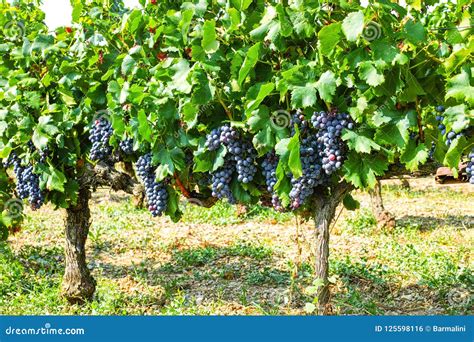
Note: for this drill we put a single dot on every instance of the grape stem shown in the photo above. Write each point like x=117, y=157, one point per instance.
x=180, y=185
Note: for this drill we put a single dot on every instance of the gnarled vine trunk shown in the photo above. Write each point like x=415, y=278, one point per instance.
x=78, y=284
x=384, y=218
x=324, y=212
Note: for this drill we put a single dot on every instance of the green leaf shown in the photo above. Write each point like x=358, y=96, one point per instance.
x=186, y=18
x=414, y=155
x=359, y=142
x=249, y=63
x=165, y=167
x=76, y=10
x=241, y=5
x=56, y=180
x=209, y=42
x=350, y=203
x=302, y=97
x=180, y=77
x=124, y=92
x=454, y=153
x=370, y=74
x=414, y=32
x=294, y=160
x=263, y=91
x=329, y=36
x=144, y=128
x=455, y=118
x=326, y=86
x=459, y=87
x=361, y=172
x=353, y=25
x=127, y=64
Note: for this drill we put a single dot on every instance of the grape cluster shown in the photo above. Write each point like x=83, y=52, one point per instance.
x=470, y=167
x=27, y=184
x=242, y=152
x=300, y=121
x=213, y=139
x=442, y=128
x=330, y=126
x=99, y=136
x=156, y=194
x=269, y=165
x=126, y=146
x=220, y=182
x=312, y=172
x=321, y=152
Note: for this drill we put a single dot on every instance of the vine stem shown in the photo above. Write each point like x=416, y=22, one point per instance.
x=226, y=109
x=181, y=186
x=418, y=119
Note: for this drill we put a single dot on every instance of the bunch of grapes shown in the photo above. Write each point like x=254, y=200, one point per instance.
x=312, y=172
x=300, y=121
x=442, y=128
x=156, y=194
x=126, y=146
x=269, y=166
x=99, y=136
x=470, y=167
x=220, y=182
x=213, y=139
x=243, y=153
x=27, y=184
x=330, y=145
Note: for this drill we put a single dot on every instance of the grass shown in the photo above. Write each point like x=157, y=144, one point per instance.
x=218, y=262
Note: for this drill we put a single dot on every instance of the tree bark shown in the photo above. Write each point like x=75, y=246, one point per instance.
x=324, y=211
x=384, y=218
x=78, y=284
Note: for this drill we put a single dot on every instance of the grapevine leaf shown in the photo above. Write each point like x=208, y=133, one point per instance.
x=414, y=155
x=302, y=97
x=370, y=74
x=359, y=142
x=250, y=60
x=180, y=77
x=263, y=91
x=456, y=118
x=353, y=25
x=127, y=64
x=241, y=5
x=453, y=155
x=56, y=180
x=414, y=32
x=209, y=42
x=144, y=128
x=350, y=203
x=326, y=86
x=294, y=161
x=459, y=87
x=361, y=172
x=329, y=37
